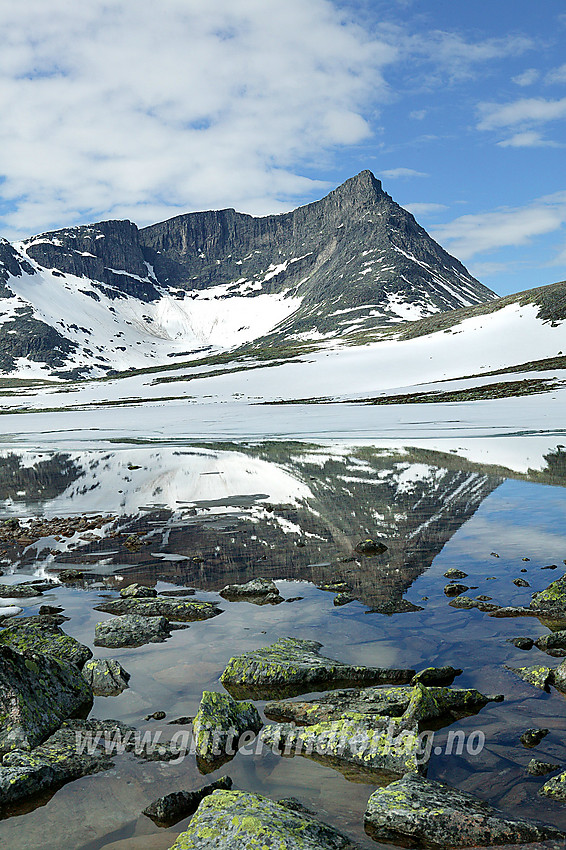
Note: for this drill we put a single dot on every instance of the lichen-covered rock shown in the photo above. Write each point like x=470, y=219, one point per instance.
x=37, y=692
x=555, y=787
x=219, y=723
x=532, y=737
x=25, y=775
x=181, y=610
x=69, y=576
x=106, y=676
x=416, y=811
x=40, y=634
x=454, y=589
x=558, y=677
x=131, y=630
x=236, y=820
x=369, y=546
x=353, y=743
x=259, y=591
x=19, y=591
x=138, y=591
x=451, y=703
x=538, y=676
x=454, y=573
x=541, y=768
x=553, y=644
x=522, y=643
x=437, y=675
x=292, y=666
x=467, y=603
x=552, y=599
x=173, y=807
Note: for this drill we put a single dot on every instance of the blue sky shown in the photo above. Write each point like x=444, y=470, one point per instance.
x=130, y=109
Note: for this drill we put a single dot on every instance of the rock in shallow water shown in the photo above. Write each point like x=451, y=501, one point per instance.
x=418, y=811
x=259, y=591
x=173, y=807
x=106, y=676
x=37, y=692
x=235, y=820
x=131, y=630
x=40, y=634
x=138, y=591
x=184, y=611
x=219, y=723
x=292, y=666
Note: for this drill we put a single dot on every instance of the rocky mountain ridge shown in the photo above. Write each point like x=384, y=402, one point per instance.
x=111, y=296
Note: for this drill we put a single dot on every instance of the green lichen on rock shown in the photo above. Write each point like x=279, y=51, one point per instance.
x=219, y=723
x=138, y=591
x=553, y=644
x=37, y=692
x=235, y=820
x=292, y=666
x=538, y=676
x=106, y=676
x=38, y=634
x=131, y=630
x=553, y=598
x=25, y=775
x=555, y=788
x=415, y=811
x=180, y=610
x=259, y=591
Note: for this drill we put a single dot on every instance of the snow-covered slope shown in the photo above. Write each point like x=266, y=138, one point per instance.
x=89, y=300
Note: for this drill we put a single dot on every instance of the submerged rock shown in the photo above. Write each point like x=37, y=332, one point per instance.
x=40, y=634
x=259, y=591
x=138, y=591
x=131, y=630
x=37, y=692
x=532, y=737
x=236, y=820
x=181, y=610
x=106, y=676
x=25, y=775
x=466, y=602
x=172, y=808
x=293, y=666
x=541, y=768
x=218, y=725
x=417, y=811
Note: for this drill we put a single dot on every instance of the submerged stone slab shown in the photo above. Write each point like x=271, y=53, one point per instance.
x=537, y=675
x=173, y=807
x=25, y=775
x=37, y=692
x=415, y=811
x=292, y=666
x=106, y=676
x=181, y=610
x=259, y=591
x=131, y=630
x=40, y=634
x=219, y=723
x=236, y=820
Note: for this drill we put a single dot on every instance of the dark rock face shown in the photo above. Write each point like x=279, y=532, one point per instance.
x=131, y=630
x=106, y=676
x=355, y=245
x=37, y=693
x=417, y=811
x=173, y=807
x=108, y=252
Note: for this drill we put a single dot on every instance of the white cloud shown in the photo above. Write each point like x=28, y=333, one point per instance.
x=527, y=78
x=118, y=107
x=532, y=110
x=418, y=114
x=397, y=173
x=528, y=139
x=557, y=75
x=470, y=235
x=418, y=209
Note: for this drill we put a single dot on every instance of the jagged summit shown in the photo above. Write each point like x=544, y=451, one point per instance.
x=117, y=297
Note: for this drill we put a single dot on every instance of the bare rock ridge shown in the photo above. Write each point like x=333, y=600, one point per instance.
x=338, y=266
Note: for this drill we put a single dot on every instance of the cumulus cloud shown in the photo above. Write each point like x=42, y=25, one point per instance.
x=132, y=108
x=470, y=235
x=403, y=173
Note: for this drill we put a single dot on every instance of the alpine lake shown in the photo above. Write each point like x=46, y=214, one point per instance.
x=190, y=519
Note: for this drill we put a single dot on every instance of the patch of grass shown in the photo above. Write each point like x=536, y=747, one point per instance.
x=504, y=389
